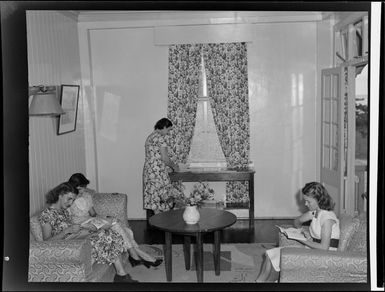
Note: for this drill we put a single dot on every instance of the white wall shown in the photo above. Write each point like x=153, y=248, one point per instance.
x=282, y=74
x=126, y=76
x=53, y=59
x=130, y=84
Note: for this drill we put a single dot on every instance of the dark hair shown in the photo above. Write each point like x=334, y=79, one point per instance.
x=53, y=195
x=78, y=179
x=163, y=123
x=318, y=192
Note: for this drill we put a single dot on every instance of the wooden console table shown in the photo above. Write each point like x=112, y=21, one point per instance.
x=220, y=175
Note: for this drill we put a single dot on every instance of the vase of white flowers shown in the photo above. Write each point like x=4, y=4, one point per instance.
x=200, y=193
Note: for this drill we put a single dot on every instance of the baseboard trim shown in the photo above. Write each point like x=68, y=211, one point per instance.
x=239, y=218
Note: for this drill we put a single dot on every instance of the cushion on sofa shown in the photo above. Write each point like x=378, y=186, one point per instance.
x=348, y=226
x=114, y=204
x=358, y=243
x=35, y=228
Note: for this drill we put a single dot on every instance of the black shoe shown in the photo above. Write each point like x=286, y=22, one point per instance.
x=126, y=278
x=134, y=262
x=147, y=264
x=156, y=263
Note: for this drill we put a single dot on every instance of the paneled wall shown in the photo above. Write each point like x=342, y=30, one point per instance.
x=53, y=59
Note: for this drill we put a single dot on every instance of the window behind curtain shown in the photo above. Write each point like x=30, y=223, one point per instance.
x=205, y=148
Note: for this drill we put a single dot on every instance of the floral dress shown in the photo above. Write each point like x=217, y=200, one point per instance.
x=158, y=192
x=107, y=245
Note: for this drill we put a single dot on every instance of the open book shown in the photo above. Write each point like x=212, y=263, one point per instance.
x=96, y=221
x=292, y=233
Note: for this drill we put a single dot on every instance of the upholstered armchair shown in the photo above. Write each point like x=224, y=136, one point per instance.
x=70, y=260
x=348, y=264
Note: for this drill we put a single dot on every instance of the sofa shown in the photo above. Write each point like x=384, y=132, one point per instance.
x=348, y=264
x=70, y=260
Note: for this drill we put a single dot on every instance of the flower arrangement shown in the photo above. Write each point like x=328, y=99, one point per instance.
x=200, y=192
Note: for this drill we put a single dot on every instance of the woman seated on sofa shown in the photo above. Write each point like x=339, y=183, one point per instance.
x=82, y=209
x=56, y=222
x=324, y=229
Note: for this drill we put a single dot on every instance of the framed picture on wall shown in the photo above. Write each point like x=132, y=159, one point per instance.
x=69, y=97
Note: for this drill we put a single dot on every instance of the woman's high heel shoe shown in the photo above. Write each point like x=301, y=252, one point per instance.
x=147, y=264
x=134, y=262
x=156, y=263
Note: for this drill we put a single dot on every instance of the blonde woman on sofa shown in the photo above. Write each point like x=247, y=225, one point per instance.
x=57, y=224
x=324, y=229
x=82, y=210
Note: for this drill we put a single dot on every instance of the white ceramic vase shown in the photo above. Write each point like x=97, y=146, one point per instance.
x=191, y=215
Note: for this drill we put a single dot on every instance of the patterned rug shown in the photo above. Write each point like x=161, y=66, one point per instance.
x=240, y=262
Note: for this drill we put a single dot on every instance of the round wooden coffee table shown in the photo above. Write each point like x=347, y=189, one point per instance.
x=211, y=220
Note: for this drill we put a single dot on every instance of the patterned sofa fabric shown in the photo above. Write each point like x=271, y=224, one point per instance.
x=310, y=265
x=70, y=260
x=59, y=261
x=348, y=226
x=54, y=251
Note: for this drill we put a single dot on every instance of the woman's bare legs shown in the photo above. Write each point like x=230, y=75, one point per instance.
x=263, y=273
x=119, y=267
x=130, y=244
x=121, y=274
x=136, y=251
x=267, y=273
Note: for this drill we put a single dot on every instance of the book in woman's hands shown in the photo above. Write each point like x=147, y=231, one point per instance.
x=292, y=233
x=96, y=221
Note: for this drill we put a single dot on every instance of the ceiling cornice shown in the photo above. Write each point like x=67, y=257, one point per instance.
x=198, y=17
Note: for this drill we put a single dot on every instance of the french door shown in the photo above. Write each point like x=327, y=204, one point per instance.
x=332, y=136
x=339, y=170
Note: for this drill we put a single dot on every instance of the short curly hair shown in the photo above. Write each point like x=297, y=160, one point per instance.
x=318, y=192
x=163, y=123
x=78, y=179
x=53, y=195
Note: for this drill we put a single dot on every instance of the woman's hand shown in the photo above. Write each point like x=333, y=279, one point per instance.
x=90, y=226
x=74, y=228
x=306, y=234
x=106, y=226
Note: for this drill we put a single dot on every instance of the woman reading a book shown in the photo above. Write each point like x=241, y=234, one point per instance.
x=83, y=212
x=324, y=229
x=56, y=222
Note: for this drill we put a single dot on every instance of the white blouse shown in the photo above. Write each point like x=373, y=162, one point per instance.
x=317, y=222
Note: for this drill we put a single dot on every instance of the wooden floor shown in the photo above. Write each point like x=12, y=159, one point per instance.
x=264, y=232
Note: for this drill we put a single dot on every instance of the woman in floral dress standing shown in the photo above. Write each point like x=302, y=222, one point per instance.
x=158, y=193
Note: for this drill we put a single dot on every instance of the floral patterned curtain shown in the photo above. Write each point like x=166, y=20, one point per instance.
x=183, y=85
x=227, y=85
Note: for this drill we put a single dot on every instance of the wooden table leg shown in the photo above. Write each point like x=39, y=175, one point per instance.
x=251, y=202
x=168, y=257
x=186, y=251
x=199, y=258
x=217, y=252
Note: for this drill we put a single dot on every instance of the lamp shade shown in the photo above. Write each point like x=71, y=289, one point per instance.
x=45, y=104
